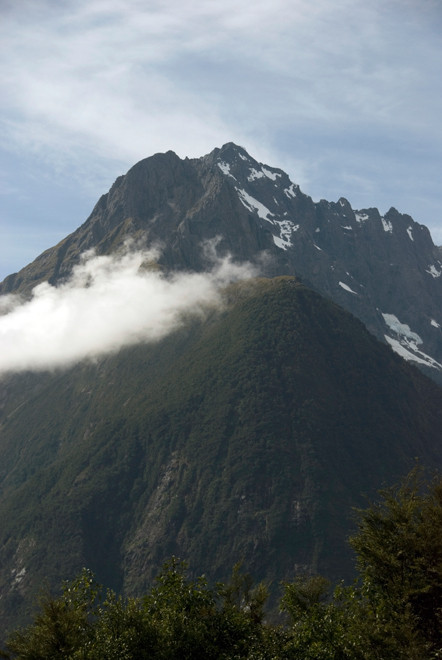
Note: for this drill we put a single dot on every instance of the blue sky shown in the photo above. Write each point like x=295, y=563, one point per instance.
x=345, y=95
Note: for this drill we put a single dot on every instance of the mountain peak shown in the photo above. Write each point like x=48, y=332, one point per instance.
x=229, y=156
x=236, y=163
x=232, y=146
x=374, y=266
x=230, y=150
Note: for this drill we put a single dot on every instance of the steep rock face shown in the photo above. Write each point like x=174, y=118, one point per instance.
x=380, y=267
x=384, y=269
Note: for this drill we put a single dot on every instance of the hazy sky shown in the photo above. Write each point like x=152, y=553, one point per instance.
x=345, y=95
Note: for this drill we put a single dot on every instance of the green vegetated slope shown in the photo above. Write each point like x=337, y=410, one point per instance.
x=246, y=436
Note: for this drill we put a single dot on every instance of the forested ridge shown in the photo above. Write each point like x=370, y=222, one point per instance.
x=392, y=611
x=245, y=436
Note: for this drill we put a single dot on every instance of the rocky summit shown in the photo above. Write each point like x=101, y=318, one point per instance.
x=384, y=269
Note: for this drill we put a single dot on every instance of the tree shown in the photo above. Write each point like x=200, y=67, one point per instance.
x=180, y=618
x=63, y=625
x=399, y=556
x=196, y=621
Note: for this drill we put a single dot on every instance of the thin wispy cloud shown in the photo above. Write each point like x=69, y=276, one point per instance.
x=108, y=302
x=119, y=77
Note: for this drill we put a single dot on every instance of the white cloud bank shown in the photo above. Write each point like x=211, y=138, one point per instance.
x=109, y=302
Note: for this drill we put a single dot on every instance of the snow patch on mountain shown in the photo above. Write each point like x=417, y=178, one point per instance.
x=410, y=233
x=406, y=342
x=269, y=174
x=286, y=230
x=435, y=324
x=255, y=174
x=225, y=169
x=252, y=204
x=388, y=227
x=401, y=329
x=432, y=270
x=361, y=217
x=290, y=192
x=347, y=288
x=418, y=356
x=285, y=227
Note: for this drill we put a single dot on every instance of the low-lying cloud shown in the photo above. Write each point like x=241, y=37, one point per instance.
x=108, y=302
